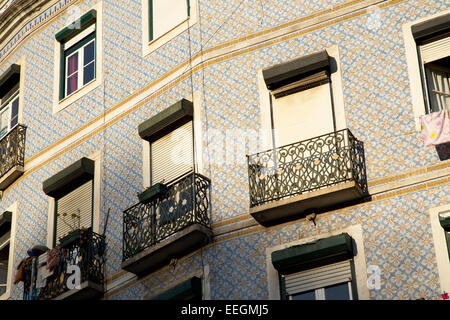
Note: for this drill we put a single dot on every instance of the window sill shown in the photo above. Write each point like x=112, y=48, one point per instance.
x=59, y=105
x=165, y=38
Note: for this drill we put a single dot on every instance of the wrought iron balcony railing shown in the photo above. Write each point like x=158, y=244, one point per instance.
x=184, y=203
x=12, y=149
x=306, y=166
x=86, y=253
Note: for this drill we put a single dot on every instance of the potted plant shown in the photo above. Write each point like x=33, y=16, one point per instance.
x=75, y=228
x=153, y=192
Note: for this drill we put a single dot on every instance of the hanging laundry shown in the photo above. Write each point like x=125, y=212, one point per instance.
x=53, y=258
x=435, y=128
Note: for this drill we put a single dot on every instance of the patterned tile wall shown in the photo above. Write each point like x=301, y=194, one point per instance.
x=230, y=101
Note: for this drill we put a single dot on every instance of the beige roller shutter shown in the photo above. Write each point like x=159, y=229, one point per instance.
x=78, y=202
x=303, y=115
x=318, y=277
x=435, y=50
x=172, y=155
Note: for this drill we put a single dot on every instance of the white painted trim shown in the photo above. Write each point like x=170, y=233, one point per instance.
x=414, y=72
x=97, y=157
x=58, y=104
x=440, y=246
x=338, y=101
x=198, y=132
x=359, y=260
x=12, y=243
x=150, y=46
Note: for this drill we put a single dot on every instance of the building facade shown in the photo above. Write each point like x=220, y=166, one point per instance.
x=224, y=149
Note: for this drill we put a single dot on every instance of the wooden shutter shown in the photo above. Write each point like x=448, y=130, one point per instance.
x=172, y=155
x=435, y=50
x=78, y=201
x=318, y=277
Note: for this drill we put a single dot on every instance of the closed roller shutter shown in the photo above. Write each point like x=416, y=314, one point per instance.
x=435, y=50
x=318, y=278
x=172, y=155
x=79, y=202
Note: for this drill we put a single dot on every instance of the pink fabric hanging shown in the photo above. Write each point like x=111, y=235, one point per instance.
x=435, y=128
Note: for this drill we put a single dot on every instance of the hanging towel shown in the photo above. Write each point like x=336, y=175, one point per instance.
x=53, y=258
x=435, y=128
x=20, y=275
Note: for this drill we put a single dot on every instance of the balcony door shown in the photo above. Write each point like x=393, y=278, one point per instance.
x=302, y=115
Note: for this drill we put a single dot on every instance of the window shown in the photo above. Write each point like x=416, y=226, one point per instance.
x=7, y=243
x=316, y=268
x=431, y=39
x=9, y=100
x=170, y=136
x=302, y=98
x=163, y=20
x=331, y=282
x=73, y=190
x=79, y=61
x=166, y=15
x=74, y=210
x=440, y=227
x=5, y=235
x=78, y=58
x=172, y=155
x=435, y=63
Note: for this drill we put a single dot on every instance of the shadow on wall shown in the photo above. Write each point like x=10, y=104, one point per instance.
x=443, y=151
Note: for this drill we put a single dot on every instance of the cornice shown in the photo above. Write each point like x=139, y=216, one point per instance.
x=17, y=15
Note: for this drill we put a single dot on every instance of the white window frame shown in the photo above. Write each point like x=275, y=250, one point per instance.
x=338, y=101
x=60, y=104
x=97, y=157
x=12, y=242
x=320, y=292
x=148, y=45
x=440, y=245
x=7, y=106
x=414, y=69
x=359, y=261
x=80, y=64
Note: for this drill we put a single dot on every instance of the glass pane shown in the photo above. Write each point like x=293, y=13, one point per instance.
x=89, y=53
x=309, y=295
x=4, y=256
x=72, y=64
x=14, y=112
x=72, y=83
x=89, y=73
x=438, y=86
x=4, y=119
x=337, y=292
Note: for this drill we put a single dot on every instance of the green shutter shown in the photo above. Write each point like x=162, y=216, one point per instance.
x=188, y=290
x=150, y=19
x=313, y=254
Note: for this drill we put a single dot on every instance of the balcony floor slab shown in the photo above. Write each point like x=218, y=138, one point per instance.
x=293, y=206
x=174, y=246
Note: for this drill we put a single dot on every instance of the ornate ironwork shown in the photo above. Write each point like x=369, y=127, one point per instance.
x=12, y=149
x=184, y=203
x=305, y=166
x=86, y=252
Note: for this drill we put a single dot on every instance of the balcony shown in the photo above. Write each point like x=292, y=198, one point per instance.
x=12, y=154
x=85, y=252
x=309, y=175
x=172, y=223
